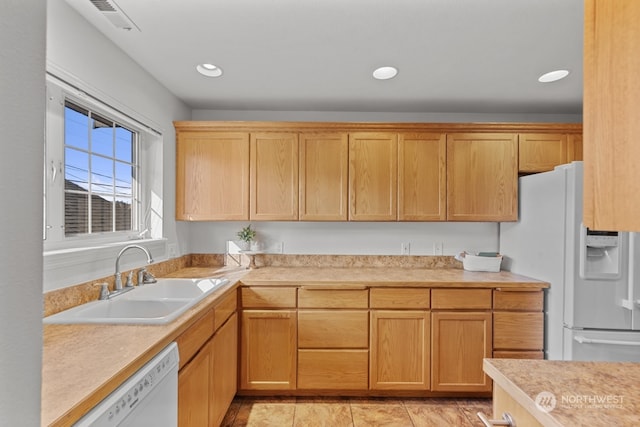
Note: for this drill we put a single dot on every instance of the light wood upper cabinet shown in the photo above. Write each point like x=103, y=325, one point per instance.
x=212, y=176
x=274, y=176
x=373, y=165
x=541, y=152
x=422, y=177
x=482, y=177
x=323, y=176
x=611, y=109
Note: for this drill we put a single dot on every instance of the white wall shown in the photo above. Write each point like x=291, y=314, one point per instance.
x=351, y=238
x=78, y=51
x=354, y=116
x=22, y=55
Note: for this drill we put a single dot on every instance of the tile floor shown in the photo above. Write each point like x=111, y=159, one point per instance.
x=355, y=412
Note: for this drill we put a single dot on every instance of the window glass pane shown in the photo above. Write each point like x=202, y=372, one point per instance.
x=76, y=126
x=123, y=213
x=124, y=178
x=76, y=214
x=76, y=170
x=102, y=136
x=101, y=175
x=124, y=144
x=101, y=214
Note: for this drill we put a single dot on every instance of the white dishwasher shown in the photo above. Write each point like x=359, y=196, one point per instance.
x=149, y=398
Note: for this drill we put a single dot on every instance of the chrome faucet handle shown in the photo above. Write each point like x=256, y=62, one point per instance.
x=148, y=277
x=129, y=280
x=104, y=291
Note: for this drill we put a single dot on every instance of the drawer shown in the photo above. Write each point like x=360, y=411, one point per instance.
x=268, y=297
x=333, y=369
x=517, y=300
x=460, y=299
x=224, y=309
x=333, y=329
x=190, y=341
x=399, y=298
x=310, y=297
x=518, y=330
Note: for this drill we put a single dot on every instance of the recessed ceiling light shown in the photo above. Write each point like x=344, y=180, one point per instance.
x=209, y=70
x=553, y=76
x=385, y=73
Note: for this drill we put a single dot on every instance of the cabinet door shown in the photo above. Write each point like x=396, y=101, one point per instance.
x=611, y=109
x=540, y=152
x=225, y=369
x=373, y=166
x=422, y=177
x=268, y=350
x=274, y=176
x=460, y=340
x=323, y=176
x=212, y=176
x=482, y=177
x=399, y=350
x=574, y=147
x=194, y=389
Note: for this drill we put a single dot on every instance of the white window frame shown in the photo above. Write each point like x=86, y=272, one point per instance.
x=71, y=260
x=57, y=94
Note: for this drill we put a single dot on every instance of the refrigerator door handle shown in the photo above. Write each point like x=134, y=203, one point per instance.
x=584, y=340
x=629, y=303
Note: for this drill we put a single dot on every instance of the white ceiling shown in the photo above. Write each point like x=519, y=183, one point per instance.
x=318, y=55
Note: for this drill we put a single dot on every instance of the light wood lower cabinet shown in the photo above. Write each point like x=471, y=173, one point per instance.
x=207, y=379
x=337, y=338
x=194, y=388
x=399, y=350
x=268, y=350
x=333, y=338
x=518, y=324
x=225, y=369
x=461, y=336
x=460, y=340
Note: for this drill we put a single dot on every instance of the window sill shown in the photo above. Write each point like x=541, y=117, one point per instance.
x=67, y=267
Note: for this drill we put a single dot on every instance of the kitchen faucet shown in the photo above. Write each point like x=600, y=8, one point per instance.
x=118, y=281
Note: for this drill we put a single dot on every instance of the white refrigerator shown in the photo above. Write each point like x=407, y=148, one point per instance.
x=592, y=308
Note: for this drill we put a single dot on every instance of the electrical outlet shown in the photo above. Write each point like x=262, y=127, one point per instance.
x=173, y=250
x=438, y=248
x=405, y=248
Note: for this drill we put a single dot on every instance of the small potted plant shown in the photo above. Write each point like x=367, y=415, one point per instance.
x=246, y=236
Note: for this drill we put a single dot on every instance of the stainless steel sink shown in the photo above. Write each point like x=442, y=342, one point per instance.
x=156, y=303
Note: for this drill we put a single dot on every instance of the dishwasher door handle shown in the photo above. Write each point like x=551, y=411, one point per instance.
x=584, y=340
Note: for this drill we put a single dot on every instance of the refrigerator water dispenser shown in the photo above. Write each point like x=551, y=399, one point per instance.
x=600, y=254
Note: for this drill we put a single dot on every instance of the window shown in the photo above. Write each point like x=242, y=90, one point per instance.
x=100, y=173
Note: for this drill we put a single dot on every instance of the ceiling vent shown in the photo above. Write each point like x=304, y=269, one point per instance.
x=110, y=10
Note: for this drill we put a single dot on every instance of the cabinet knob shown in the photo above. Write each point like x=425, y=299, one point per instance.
x=507, y=420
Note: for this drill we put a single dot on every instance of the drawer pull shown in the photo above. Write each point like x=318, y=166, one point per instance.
x=507, y=420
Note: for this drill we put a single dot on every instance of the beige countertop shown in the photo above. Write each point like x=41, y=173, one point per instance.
x=83, y=363
x=387, y=276
x=586, y=393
